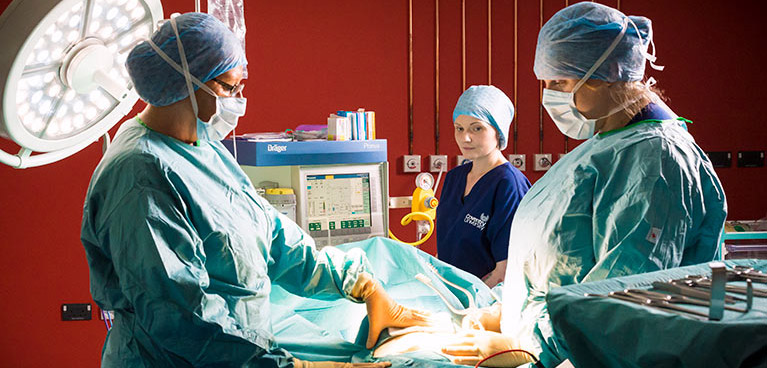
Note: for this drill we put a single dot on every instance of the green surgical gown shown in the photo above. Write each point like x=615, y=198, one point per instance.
x=639, y=199
x=185, y=252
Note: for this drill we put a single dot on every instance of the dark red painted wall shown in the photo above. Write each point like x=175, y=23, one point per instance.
x=309, y=58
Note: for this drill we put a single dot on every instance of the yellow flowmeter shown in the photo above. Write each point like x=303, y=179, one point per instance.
x=423, y=209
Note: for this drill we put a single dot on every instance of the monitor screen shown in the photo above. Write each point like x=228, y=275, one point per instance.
x=338, y=202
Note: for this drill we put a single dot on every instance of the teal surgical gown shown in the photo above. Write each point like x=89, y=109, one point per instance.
x=185, y=252
x=638, y=199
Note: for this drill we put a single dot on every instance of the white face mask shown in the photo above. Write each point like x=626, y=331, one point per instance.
x=561, y=105
x=223, y=122
x=228, y=109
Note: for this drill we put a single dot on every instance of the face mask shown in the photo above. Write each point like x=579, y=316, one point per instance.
x=223, y=122
x=228, y=109
x=561, y=105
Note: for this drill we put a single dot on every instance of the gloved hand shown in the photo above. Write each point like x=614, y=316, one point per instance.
x=307, y=364
x=383, y=312
x=478, y=345
x=488, y=318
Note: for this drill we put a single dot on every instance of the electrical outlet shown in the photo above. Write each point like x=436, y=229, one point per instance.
x=437, y=163
x=460, y=160
x=76, y=312
x=517, y=161
x=542, y=161
x=412, y=163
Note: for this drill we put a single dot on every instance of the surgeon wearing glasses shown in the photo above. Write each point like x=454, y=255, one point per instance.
x=179, y=244
x=638, y=195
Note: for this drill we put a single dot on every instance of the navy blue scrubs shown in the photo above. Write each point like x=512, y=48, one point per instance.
x=473, y=231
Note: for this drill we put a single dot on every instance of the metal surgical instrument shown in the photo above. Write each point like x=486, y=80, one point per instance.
x=653, y=303
x=679, y=299
x=705, y=282
x=680, y=288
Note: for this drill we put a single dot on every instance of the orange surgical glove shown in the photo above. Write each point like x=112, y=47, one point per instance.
x=307, y=364
x=478, y=345
x=383, y=311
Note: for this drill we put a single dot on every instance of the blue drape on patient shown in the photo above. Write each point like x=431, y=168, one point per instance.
x=336, y=330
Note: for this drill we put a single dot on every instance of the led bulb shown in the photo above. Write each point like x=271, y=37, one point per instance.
x=56, y=36
x=77, y=106
x=65, y=127
x=54, y=90
x=43, y=56
x=44, y=107
x=106, y=32
x=22, y=109
x=112, y=13
x=122, y=22
x=36, y=97
x=95, y=26
x=90, y=113
x=78, y=121
x=126, y=40
x=53, y=129
x=74, y=21
x=72, y=36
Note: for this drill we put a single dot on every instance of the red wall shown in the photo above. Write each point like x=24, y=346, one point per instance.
x=309, y=58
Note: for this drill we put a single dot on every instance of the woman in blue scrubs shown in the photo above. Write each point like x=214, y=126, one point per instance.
x=479, y=198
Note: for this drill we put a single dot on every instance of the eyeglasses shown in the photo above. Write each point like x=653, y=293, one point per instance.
x=232, y=89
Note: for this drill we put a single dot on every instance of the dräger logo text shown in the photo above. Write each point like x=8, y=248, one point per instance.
x=276, y=148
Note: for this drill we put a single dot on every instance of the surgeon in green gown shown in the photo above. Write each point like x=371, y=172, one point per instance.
x=178, y=243
x=638, y=195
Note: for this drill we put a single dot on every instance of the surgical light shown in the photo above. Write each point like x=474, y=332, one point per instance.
x=63, y=82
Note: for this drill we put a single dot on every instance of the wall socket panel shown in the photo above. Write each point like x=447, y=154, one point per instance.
x=460, y=160
x=437, y=163
x=542, y=161
x=517, y=161
x=76, y=311
x=411, y=163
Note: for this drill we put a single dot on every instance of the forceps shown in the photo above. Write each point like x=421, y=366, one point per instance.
x=679, y=299
x=742, y=273
x=652, y=303
x=705, y=282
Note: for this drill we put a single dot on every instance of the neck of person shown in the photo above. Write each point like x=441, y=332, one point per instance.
x=483, y=164
x=620, y=118
x=176, y=120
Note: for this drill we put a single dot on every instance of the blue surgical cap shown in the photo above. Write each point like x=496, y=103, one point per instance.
x=575, y=37
x=211, y=49
x=489, y=104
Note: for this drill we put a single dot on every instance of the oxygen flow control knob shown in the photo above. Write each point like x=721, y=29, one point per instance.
x=430, y=202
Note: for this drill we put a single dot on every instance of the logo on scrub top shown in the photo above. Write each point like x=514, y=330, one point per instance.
x=479, y=223
x=276, y=148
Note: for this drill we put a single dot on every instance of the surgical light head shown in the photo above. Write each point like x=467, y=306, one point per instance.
x=63, y=84
x=211, y=49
